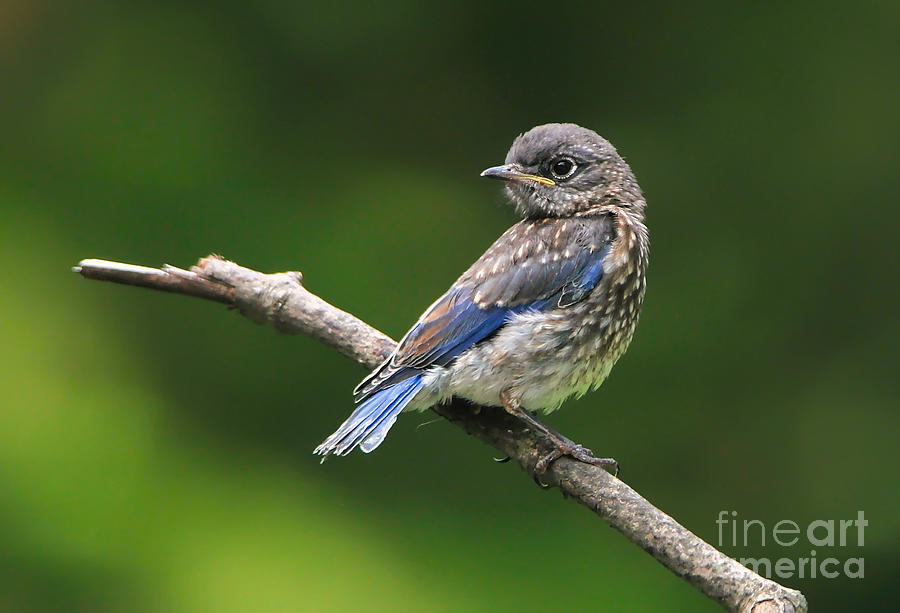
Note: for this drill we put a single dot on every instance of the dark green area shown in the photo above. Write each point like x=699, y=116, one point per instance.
x=155, y=451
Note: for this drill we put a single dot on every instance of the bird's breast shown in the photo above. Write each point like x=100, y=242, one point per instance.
x=603, y=325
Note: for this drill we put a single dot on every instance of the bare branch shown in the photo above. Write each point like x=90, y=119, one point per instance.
x=169, y=279
x=282, y=301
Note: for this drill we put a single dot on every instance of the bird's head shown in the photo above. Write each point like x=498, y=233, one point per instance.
x=560, y=169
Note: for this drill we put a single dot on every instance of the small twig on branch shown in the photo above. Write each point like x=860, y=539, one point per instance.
x=282, y=301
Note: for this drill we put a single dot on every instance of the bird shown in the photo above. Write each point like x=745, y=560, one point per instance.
x=542, y=315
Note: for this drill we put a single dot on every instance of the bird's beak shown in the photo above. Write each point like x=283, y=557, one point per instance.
x=511, y=172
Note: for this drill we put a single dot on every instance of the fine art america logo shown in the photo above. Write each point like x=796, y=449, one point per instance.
x=787, y=533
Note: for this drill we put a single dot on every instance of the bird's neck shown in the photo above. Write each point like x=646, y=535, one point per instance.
x=631, y=247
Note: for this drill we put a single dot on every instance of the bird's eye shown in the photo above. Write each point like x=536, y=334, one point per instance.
x=562, y=168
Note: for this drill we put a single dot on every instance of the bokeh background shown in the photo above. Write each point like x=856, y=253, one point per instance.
x=155, y=450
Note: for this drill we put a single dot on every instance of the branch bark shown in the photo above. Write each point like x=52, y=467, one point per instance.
x=281, y=301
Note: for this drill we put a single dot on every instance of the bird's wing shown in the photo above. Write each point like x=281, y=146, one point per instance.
x=535, y=265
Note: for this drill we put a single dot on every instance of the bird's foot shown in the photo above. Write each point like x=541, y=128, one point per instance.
x=561, y=445
x=565, y=447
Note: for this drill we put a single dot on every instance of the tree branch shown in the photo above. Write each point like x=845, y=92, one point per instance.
x=282, y=301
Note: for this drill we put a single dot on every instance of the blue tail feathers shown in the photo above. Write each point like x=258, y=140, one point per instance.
x=369, y=423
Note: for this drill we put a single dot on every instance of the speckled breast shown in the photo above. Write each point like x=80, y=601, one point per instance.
x=612, y=310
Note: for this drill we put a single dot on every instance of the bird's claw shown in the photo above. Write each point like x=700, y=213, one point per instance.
x=537, y=479
x=544, y=463
x=577, y=452
x=535, y=475
x=582, y=454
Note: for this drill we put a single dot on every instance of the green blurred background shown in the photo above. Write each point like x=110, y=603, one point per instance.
x=155, y=451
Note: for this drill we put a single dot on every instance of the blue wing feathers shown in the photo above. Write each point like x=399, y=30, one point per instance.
x=579, y=287
x=470, y=326
x=456, y=322
x=443, y=338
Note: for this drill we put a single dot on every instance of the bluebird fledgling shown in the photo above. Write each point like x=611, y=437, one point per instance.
x=541, y=316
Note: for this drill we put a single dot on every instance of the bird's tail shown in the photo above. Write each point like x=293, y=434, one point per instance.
x=369, y=423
